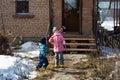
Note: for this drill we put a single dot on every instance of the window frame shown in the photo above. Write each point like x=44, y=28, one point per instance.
x=24, y=13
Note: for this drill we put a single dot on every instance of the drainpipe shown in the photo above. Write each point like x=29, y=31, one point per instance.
x=2, y=17
x=50, y=17
x=80, y=15
x=119, y=12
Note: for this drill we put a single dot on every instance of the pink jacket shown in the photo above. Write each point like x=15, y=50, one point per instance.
x=59, y=42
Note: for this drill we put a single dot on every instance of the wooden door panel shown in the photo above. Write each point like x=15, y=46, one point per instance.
x=71, y=15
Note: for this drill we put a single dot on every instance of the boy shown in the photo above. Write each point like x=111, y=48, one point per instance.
x=43, y=61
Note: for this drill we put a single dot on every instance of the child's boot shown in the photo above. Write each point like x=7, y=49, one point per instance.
x=56, y=66
x=61, y=66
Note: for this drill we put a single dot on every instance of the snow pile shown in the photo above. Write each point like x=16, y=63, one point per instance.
x=12, y=68
x=28, y=49
x=108, y=52
x=29, y=54
x=108, y=25
x=29, y=46
x=20, y=66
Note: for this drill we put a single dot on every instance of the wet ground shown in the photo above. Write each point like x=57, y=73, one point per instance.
x=81, y=67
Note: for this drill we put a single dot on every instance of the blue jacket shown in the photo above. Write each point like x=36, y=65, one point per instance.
x=43, y=50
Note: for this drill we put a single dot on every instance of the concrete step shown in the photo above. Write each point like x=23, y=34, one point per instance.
x=80, y=43
x=79, y=38
x=86, y=44
x=76, y=49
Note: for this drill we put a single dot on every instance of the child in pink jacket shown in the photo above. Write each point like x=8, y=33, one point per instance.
x=59, y=46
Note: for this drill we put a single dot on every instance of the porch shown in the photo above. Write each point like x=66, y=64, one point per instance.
x=80, y=43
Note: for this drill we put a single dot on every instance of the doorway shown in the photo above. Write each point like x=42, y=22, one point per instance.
x=71, y=15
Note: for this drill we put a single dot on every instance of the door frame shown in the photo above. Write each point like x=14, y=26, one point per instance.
x=80, y=15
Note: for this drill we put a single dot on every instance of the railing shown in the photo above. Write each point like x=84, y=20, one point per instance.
x=109, y=40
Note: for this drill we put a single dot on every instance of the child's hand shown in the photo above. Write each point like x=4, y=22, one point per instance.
x=65, y=48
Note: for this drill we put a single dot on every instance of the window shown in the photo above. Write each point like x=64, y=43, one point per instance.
x=22, y=6
x=106, y=4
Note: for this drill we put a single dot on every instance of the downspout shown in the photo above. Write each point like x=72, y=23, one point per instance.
x=2, y=18
x=119, y=12
x=114, y=18
x=50, y=18
x=50, y=25
x=94, y=17
x=80, y=17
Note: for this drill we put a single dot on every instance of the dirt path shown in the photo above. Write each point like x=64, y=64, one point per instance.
x=78, y=67
x=71, y=70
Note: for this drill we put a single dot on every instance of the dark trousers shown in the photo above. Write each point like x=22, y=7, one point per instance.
x=59, y=59
x=43, y=62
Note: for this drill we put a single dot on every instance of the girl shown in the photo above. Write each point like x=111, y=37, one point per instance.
x=59, y=46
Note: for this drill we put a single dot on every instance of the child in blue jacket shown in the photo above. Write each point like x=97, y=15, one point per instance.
x=43, y=61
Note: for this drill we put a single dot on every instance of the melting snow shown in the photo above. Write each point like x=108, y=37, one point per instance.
x=19, y=66
x=13, y=68
x=108, y=52
x=29, y=46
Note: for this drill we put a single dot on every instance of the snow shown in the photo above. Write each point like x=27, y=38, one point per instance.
x=28, y=54
x=29, y=46
x=109, y=52
x=20, y=66
x=28, y=49
x=6, y=61
x=109, y=25
x=13, y=68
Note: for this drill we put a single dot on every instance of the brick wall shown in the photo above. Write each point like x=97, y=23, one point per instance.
x=27, y=27
x=36, y=26
x=87, y=17
x=0, y=18
x=57, y=13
